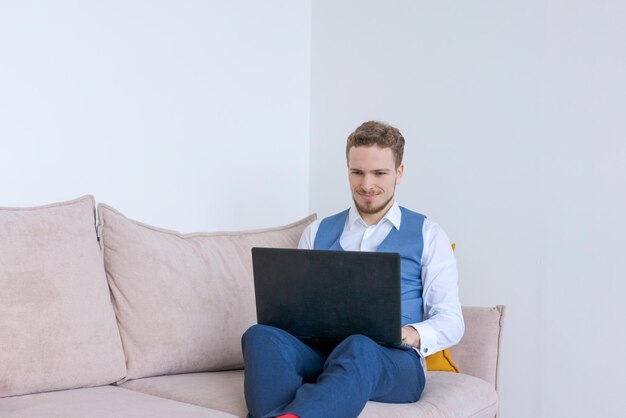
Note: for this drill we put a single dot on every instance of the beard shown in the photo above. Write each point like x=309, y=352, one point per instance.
x=369, y=208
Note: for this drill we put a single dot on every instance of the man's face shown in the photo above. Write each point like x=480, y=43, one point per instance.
x=373, y=178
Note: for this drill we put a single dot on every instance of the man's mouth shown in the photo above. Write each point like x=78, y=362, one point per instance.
x=368, y=197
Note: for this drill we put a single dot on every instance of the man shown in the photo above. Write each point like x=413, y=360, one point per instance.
x=285, y=377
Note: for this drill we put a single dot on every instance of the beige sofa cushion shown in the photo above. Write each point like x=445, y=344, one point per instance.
x=478, y=352
x=183, y=300
x=101, y=402
x=445, y=395
x=57, y=326
x=217, y=390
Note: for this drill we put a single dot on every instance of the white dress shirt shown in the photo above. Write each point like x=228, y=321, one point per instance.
x=443, y=325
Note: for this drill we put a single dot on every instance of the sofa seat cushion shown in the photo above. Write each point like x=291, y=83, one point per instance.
x=100, y=402
x=446, y=395
x=217, y=390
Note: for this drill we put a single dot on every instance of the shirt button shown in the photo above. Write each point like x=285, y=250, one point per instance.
x=425, y=350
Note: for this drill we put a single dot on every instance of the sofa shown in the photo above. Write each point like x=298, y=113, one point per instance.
x=104, y=316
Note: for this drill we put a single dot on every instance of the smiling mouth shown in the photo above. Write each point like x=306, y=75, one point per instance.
x=368, y=197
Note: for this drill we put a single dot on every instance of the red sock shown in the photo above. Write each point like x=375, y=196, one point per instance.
x=288, y=416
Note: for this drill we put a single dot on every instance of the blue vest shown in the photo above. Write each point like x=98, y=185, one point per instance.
x=408, y=242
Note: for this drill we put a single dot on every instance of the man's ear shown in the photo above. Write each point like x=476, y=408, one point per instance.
x=399, y=173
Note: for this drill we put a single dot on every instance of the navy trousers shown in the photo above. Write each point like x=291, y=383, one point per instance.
x=284, y=375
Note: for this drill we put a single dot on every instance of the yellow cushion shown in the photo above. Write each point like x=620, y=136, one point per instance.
x=441, y=362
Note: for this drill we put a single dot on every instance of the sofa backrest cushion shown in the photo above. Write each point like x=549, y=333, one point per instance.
x=478, y=352
x=57, y=326
x=183, y=301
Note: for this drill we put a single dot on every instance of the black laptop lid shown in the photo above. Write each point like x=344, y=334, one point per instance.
x=329, y=295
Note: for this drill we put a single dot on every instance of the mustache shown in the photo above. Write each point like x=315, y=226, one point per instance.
x=368, y=192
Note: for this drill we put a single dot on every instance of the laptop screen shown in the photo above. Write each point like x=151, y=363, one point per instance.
x=321, y=295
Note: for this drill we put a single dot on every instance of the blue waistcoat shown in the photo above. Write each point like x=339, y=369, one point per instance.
x=408, y=241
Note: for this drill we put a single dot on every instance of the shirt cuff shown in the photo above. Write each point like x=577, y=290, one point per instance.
x=428, y=338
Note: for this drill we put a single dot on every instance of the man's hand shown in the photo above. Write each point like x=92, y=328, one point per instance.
x=410, y=336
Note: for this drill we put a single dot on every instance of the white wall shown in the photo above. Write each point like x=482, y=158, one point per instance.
x=514, y=115
x=195, y=116
x=188, y=115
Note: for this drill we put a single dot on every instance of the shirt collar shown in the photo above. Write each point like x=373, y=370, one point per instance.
x=393, y=215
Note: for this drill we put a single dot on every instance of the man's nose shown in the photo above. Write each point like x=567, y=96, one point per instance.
x=368, y=183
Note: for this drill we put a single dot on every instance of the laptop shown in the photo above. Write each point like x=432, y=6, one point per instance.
x=322, y=297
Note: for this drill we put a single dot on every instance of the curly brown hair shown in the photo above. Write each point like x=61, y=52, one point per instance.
x=379, y=134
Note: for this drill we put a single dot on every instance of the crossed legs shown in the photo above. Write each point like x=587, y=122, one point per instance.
x=284, y=375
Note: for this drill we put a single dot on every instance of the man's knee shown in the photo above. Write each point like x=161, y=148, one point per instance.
x=262, y=334
x=256, y=333
x=360, y=341
x=357, y=344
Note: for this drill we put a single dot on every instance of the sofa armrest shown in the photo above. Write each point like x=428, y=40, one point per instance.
x=478, y=352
